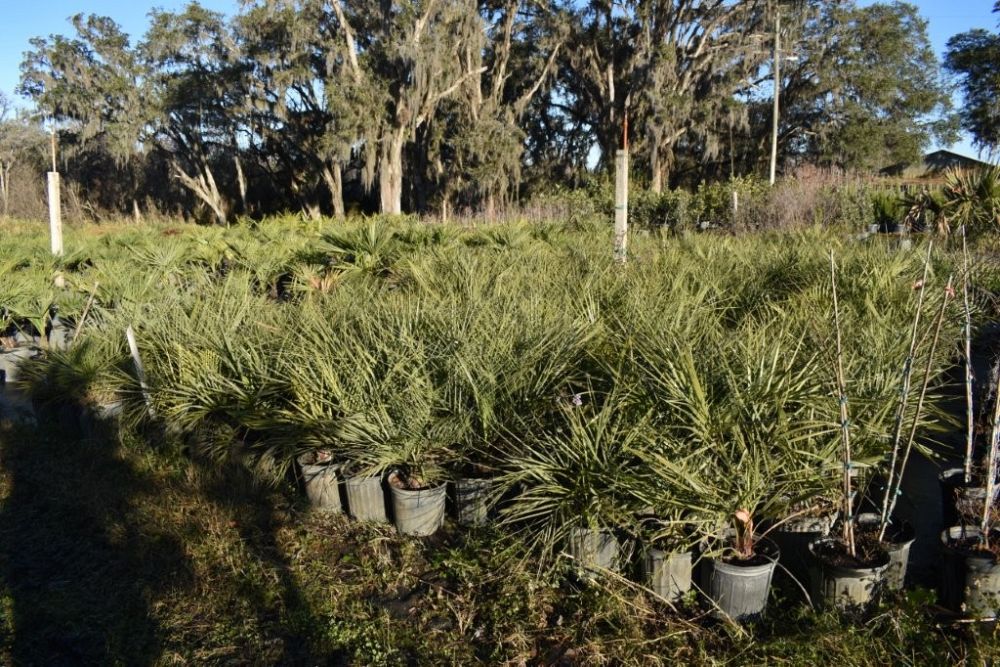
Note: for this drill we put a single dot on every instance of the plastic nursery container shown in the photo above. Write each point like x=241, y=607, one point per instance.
x=970, y=582
x=365, y=499
x=793, y=537
x=593, y=548
x=847, y=587
x=10, y=360
x=418, y=512
x=740, y=590
x=322, y=485
x=472, y=496
x=898, y=542
x=668, y=574
x=958, y=497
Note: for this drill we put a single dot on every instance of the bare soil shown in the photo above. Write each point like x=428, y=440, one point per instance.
x=868, y=552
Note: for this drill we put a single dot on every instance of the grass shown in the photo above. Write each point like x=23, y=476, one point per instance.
x=113, y=553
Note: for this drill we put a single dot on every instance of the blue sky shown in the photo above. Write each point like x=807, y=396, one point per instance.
x=22, y=19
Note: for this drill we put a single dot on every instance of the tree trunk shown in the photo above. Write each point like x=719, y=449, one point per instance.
x=241, y=181
x=333, y=176
x=390, y=173
x=491, y=209
x=312, y=211
x=418, y=188
x=136, y=211
x=204, y=187
x=656, y=177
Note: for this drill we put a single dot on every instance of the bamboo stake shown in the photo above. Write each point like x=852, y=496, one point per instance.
x=969, y=416
x=991, y=465
x=848, y=534
x=904, y=391
x=893, y=493
x=86, y=310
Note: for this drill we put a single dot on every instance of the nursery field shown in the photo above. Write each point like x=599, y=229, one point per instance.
x=270, y=487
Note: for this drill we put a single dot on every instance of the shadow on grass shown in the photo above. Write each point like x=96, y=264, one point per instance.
x=283, y=613
x=89, y=554
x=79, y=572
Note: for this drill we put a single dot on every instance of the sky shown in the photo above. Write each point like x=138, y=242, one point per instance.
x=23, y=19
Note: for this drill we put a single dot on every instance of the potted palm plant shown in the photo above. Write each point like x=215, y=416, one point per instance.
x=474, y=484
x=573, y=484
x=666, y=536
x=319, y=476
x=971, y=581
x=851, y=569
x=402, y=436
x=732, y=410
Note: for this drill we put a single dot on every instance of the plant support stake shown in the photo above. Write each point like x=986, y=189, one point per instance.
x=904, y=391
x=892, y=492
x=845, y=432
x=86, y=311
x=969, y=417
x=991, y=464
x=55, y=211
x=139, y=371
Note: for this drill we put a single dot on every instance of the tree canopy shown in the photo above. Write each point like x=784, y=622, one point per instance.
x=974, y=57
x=420, y=105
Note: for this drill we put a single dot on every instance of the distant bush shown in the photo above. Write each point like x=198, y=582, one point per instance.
x=813, y=197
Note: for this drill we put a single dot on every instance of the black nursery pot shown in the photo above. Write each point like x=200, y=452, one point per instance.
x=793, y=537
x=970, y=582
x=955, y=493
x=471, y=497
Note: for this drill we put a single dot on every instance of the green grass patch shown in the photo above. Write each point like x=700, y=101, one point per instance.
x=115, y=553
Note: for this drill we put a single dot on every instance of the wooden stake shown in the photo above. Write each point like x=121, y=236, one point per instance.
x=55, y=214
x=55, y=211
x=991, y=467
x=86, y=310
